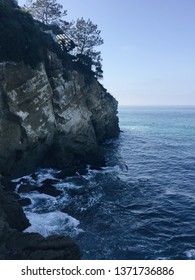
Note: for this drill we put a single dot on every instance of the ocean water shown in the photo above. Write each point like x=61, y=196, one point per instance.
x=142, y=205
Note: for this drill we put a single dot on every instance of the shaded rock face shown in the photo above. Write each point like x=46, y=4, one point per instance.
x=11, y=212
x=27, y=121
x=103, y=108
x=44, y=116
x=16, y=245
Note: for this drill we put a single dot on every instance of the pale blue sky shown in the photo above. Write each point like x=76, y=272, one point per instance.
x=149, y=48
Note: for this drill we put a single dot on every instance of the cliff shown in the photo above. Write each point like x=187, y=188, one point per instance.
x=46, y=119
x=45, y=116
x=51, y=114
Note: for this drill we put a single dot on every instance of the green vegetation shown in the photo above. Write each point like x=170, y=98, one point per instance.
x=86, y=36
x=83, y=35
x=20, y=38
x=46, y=11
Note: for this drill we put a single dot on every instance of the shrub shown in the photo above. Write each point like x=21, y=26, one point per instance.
x=20, y=39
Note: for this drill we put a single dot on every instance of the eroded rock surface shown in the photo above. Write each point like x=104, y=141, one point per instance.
x=45, y=117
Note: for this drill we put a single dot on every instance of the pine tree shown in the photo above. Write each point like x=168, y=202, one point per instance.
x=46, y=11
x=86, y=36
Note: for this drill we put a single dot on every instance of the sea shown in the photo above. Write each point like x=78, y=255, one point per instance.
x=141, y=206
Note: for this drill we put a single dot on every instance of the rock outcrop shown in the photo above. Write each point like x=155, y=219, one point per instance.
x=16, y=245
x=45, y=116
x=51, y=114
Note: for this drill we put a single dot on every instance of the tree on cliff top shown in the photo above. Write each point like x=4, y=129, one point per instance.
x=46, y=11
x=86, y=36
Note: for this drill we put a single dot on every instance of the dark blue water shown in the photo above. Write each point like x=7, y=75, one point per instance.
x=142, y=205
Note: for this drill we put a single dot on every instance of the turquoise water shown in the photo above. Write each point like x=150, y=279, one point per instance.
x=142, y=205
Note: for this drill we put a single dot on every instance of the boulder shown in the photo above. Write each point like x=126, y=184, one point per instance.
x=11, y=211
x=49, y=182
x=33, y=246
x=16, y=245
x=50, y=190
x=24, y=201
x=27, y=188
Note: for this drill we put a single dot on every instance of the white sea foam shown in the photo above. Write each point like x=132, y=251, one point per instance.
x=52, y=223
x=40, y=201
x=43, y=174
x=65, y=185
x=134, y=128
x=40, y=175
x=190, y=254
x=27, y=177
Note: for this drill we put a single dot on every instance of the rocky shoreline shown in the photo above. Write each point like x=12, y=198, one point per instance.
x=47, y=121
x=16, y=245
x=61, y=126
x=51, y=115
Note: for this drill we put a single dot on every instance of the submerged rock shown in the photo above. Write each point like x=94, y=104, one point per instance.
x=46, y=189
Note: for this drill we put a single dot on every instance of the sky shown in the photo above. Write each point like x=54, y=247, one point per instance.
x=149, y=48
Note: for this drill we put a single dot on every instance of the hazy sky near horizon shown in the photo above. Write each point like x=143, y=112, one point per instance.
x=149, y=48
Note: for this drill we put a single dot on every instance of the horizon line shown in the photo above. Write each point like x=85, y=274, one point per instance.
x=156, y=105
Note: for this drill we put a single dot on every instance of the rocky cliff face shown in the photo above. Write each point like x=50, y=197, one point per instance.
x=45, y=116
x=52, y=115
x=47, y=119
